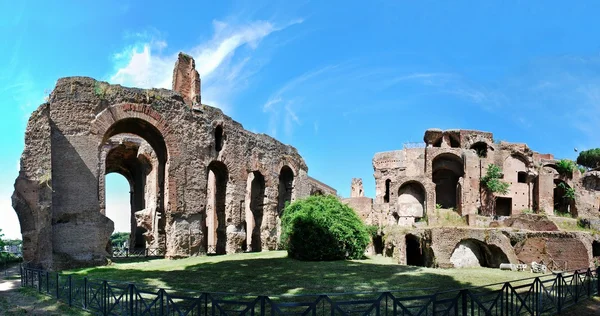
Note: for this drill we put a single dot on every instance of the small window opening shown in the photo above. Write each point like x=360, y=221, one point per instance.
x=219, y=138
x=386, y=197
x=522, y=177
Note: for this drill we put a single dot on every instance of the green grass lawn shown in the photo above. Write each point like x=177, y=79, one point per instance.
x=272, y=273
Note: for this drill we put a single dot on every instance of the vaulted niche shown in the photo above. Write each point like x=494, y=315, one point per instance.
x=255, y=194
x=135, y=149
x=481, y=148
x=286, y=185
x=215, y=208
x=447, y=169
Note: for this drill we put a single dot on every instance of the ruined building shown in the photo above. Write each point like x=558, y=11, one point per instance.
x=199, y=181
x=432, y=194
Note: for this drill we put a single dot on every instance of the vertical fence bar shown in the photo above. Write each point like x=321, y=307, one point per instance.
x=598, y=281
x=39, y=279
x=70, y=279
x=463, y=294
x=559, y=291
x=85, y=296
x=131, y=311
x=57, y=285
x=104, y=298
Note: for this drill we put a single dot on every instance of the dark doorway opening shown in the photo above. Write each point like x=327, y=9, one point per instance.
x=503, y=206
x=414, y=252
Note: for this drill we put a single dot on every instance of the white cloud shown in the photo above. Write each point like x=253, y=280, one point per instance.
x=145, y=65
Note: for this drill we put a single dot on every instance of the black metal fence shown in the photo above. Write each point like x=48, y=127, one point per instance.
x=544, y=295
x=142, y=252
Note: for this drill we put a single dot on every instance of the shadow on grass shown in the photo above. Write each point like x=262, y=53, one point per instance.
x=276, y=276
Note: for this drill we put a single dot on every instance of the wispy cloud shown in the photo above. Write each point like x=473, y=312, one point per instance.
x=147, y=64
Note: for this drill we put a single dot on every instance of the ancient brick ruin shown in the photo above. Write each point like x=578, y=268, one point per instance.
x=199, y=181
x=429, y=202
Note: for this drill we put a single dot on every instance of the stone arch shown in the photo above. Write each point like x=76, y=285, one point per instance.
x=255, y=197
x=286, y=187
x=412, y=199
x=123, y=124
x=521, y=157
x=216, y=226
x=563, y=204
x=447, y=169
x=480, y=148
x=475, y=253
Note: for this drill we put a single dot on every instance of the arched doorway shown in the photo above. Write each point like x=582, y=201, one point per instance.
x=446, y=171
x=564, y=199
x=411, y=199
x=414, y=251
x=136, y=149
x=475, y=253
x=254, y=215
x=215, y=208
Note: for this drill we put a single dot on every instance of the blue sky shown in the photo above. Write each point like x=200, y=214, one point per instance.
x=339, y=80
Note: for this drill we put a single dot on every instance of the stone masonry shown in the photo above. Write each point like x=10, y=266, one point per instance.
x=199, y=181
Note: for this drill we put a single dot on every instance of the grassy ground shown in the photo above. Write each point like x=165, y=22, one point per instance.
x=272, y=273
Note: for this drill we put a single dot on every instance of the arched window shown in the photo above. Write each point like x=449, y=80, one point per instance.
x=386, y=197
x=219, y=138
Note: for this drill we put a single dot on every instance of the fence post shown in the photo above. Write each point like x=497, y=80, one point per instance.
x=131, y=299
x=104, y=298
x=85, y=287
x=47, y=282
x=262, y=306
x=70, y=290
x=559, y=291
x=57, y=285
x=598, y=281
x=161, y=300
x=39, y=277
x=465, y=310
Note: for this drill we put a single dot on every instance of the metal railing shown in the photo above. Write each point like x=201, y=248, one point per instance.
x=146, y=252
x=548, y=294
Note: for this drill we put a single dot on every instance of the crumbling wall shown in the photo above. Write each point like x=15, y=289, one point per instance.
x=65, y=226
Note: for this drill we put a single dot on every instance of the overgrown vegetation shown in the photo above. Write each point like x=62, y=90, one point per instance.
x=589, y=158
x=323, y=228
x=493, y=185
x=569, y=192
x=565, y=167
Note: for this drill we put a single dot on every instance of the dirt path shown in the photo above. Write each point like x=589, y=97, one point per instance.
x=15, y=300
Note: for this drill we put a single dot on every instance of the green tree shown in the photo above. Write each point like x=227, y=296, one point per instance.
x=566, y=167
x=589, y=158
x=323, y=228
x=118, y=239
x=493, y=185
x=2, y=244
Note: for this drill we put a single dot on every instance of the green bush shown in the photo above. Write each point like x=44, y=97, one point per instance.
x=566, y=167
x=322, y=228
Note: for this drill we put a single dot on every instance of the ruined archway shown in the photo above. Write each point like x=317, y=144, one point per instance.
x=286, y=186
x=216, y=193
x=255, y=195
x=414, y=252
x=475, y=253
x=411, y=199
x=137, y=150
x=446, y=171
x=563, y=198
x=480, y=148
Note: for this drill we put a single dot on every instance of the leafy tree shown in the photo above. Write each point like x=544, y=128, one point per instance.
x=118, y=239
x=589, y=158
x=493, y=185
x=322, y=228
x=2, y=244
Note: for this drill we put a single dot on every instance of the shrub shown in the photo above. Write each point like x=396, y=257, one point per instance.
x=322, y=228
x=589, y=158
x=566, y=167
